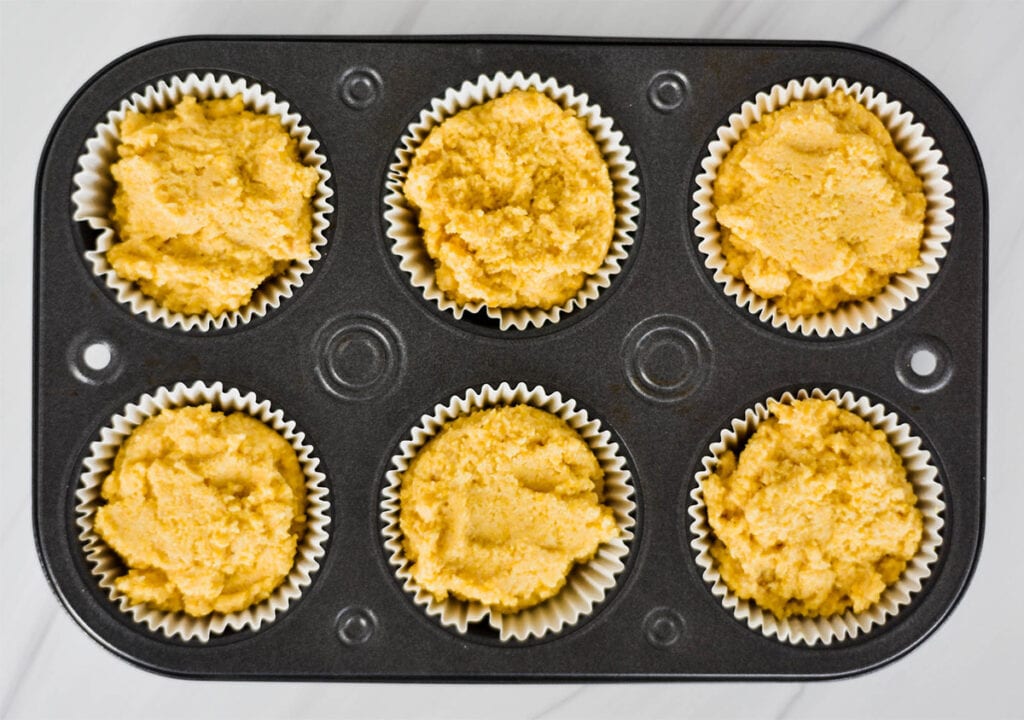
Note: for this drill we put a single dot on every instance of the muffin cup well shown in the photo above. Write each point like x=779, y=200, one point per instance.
x=909, y=137
x=921, y=474
x=107, y=566
x=587, y=584
x=94, y=192
x=402, y=222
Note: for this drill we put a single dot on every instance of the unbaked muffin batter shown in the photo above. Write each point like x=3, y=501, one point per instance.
x=514, y=201
x=211, y=200
x=500, y=505
x=817, y=207
x=816, y=517
x=205, y=510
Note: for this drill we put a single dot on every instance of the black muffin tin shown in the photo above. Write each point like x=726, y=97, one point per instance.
x=664, y=405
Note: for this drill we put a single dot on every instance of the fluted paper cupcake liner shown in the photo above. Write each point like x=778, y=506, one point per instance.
x=94, y=192
x=107, y=566
x=587, y=583
x=910, y=138
x=825, y=630
x=402, y=225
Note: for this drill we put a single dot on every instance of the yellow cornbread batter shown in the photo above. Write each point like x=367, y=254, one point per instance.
x=211, y=200
x=500, y=505
x=514, y=201
x=817, y=207
x=817, y=516
x=205, y=509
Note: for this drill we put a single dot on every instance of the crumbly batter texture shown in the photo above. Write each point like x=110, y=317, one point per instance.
x=500, y=505
x=817, y=517
x=211, y=200
x=817, y=207
x=514, y=201
x=205, y=510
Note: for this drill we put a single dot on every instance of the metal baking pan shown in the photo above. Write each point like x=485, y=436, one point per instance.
x=354, y=621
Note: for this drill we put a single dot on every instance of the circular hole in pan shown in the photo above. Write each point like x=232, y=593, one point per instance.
x=924, y=364
x=93, y=359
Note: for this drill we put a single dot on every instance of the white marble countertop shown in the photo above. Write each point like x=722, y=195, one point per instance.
x=968, y=668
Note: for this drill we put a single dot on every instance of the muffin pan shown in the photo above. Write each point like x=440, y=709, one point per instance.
x=357, y=356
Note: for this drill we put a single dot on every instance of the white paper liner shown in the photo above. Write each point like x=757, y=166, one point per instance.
x=107, y=566
x=921, y=474
x=910, y=139
x=402, y=224
x=587, y=583
x=94, y=192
